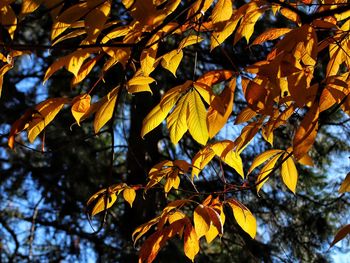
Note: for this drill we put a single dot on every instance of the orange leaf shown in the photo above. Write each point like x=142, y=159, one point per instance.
x=306, y=133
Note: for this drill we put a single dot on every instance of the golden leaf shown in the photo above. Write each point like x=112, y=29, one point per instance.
x=306, y=132
x=105, y=111
x=196, y=119
x=215, y=119
x=95, y=20
x=216, y=226
x=289, y=173
x=223, y=32
x=246, y=27
x=84, y=71
x=244, y=217
x=190, y=40
x=171, y=60
x=129, y=195
x=264, y=173
x=45, y=112
x=270, y=34
x=80, y=105
x=102, y=205
x=201, y=221
x=191, y=243
x=159, y=113
x=263, y=157
x=176, y=121
x=222, y=11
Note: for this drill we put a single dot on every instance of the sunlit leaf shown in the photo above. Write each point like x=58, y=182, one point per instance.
x=191, y=243
x=80, y=105
x=244, y=217
x=263, y=157
x=105, y=111
x=306, y=133
x=201, y=221
x=289, y=174
x=45, y=112
x=265, y=172
x=129, y=195
x=196, y=120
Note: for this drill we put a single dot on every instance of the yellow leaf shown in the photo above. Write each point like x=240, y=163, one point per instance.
x=46, y=111
x=57, y=65
x=70, y=35
x=196, y=120
x=129, y=195
x=224, y=150
x=264, y=173
x=216, y=226
x=247, y=134
x=177, y=215
x=159, y=113
x=224, y=32
x=105, y=111
x=76, y=60
x=201, y=159
x=84, y=71
x=244, y=217
x=143, y=229
x=80, y=106
x=95, y=20
x=101, y=204
x=171, y=60
x=222, y=11
x=246, y=28
x=115, y=33
x=201, y=221
x=263, y=157
x=270, y=34
x=140, y=84
x=154, y=118
x=139, y=80
x=289, y=173
x=191, y=243
x=345, y=186
x=176, y=121
x=290, y=15
x=190, y=40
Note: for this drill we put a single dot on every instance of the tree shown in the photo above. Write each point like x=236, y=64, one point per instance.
x=184, y=64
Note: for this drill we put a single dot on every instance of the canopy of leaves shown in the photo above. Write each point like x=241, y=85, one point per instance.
x=201, y=130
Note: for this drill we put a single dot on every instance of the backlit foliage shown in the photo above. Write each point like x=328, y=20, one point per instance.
x=275, y=88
